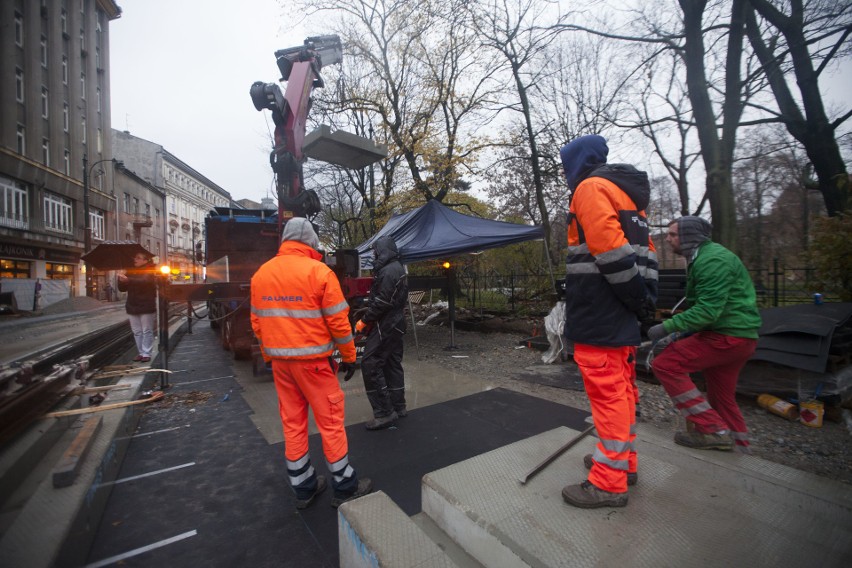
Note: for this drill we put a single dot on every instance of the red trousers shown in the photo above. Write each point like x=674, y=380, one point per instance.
x=609, y=377
x=720, y=358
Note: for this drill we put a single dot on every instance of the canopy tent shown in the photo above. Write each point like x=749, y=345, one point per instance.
x=436, y=231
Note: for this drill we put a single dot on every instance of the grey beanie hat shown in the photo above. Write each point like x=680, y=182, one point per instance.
x=300, y=229
x=692, y=231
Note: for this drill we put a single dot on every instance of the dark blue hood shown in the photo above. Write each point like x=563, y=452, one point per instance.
x=581, y=156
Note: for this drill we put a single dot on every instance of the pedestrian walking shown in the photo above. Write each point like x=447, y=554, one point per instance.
x=719, y=333
x=611, y=285
x=140, y=283
x=299, y=316
x=384, y=323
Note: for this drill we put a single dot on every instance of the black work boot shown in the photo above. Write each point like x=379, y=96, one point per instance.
x=365, y=486
x=381, y=422
x=632, y=478
x=321, y=485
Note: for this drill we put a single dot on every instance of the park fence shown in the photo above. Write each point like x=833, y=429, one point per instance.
x=534, y=294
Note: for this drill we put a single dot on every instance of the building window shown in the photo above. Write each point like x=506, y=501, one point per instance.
x=19, y=85
x=57, y=213
x=99, y=141
x=65, y=117
x=63, y=17
x=97, y=221
x=22, y=139
x=98, y=96
x=83, y=86
x=64, y=70
x=136, y=206
x=45, y=106
x=157, y=217
x=98, y=58
x=67, y=163
x=19, y=30
x=127, y=203
x=56, y=271
x=43, y=51
x=83, y=124
x=14, y=207
x=83, y=41
x=14, y=268
x=45, y=151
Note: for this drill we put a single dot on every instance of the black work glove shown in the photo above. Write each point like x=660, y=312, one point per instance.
x=657, y=332
x=647, y=313
x=348, y=368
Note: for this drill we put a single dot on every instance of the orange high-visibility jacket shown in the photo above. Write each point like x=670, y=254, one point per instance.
x=611, y=264
x=297, y=307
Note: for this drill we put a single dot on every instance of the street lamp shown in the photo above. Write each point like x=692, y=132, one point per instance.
x=87, y=223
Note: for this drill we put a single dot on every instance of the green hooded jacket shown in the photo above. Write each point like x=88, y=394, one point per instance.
x=720, y=294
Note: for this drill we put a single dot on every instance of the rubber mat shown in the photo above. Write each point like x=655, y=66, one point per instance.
x=431, y=438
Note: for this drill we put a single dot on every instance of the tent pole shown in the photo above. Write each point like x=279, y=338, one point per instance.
x=549, y=266
x=413, y=324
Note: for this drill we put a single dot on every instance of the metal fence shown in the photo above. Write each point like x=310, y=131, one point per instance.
x=535, y=294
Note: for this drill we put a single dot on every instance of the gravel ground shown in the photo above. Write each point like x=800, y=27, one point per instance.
x=495, y=356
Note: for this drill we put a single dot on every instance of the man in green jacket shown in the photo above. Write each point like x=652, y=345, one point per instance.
x=718, y=333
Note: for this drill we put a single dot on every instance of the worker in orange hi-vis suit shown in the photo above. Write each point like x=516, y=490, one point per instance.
x=299, y=315
x=611, y=287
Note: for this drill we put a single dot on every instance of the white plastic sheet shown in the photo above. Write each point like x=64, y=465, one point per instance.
x=554, y=324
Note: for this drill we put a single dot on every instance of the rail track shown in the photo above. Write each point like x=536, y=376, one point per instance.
x=31, y=387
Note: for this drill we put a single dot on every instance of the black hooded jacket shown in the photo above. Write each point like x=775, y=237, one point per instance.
x=389, y=292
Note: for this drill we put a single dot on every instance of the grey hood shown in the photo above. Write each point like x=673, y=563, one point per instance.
x=692, y=231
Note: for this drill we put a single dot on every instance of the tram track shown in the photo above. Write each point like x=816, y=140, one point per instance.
x=32, y=386
x=36, y=383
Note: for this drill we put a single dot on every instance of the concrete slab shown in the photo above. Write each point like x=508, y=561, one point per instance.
x=373, y=531
x=342, y=148
x=690, y=507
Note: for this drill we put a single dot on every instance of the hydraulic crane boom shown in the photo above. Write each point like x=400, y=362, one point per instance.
x=300, y=67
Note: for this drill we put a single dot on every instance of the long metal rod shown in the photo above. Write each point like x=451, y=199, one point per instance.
x=556, y=454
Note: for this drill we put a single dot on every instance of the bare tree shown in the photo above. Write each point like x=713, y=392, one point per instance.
x=413, y=68
x=521, y=32
x=815, y=33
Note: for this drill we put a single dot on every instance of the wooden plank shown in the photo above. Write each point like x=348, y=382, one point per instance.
x=93, y=390
x=66, y=470
x=156, y=395
x=136, y=371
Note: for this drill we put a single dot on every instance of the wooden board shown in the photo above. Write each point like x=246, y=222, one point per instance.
x=156, y=395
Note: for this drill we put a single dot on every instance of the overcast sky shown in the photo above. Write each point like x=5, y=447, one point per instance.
x=181, y=72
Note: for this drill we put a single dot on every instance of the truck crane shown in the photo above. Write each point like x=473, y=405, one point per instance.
x=238, y=241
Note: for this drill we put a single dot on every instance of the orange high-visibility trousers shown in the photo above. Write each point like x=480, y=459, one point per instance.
x=301, y=383
x=608, y=377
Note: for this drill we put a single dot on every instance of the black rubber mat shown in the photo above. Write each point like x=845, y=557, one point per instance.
x=226, y=502
x=434, y=437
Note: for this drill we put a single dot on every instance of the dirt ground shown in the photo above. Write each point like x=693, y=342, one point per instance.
x=500, y=357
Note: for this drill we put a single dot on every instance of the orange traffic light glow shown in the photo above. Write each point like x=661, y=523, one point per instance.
x=446, y=264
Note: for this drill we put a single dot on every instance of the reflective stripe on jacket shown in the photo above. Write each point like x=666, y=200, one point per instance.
x=611, y=268
x=298, y=310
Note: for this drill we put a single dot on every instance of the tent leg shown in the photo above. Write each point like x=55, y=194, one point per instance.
x=414, y=328
x=549, y=267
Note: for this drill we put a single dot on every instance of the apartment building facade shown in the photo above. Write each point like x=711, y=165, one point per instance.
x=54, y=118
x=189, y=197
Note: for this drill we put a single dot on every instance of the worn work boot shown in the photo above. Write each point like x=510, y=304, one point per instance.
x=365, y=485
x=321, y=485
x=587, y=496
x=701, y=441
x=381, y=422
x=632, y=478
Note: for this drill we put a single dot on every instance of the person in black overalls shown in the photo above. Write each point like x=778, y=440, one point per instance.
x=384, y=323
